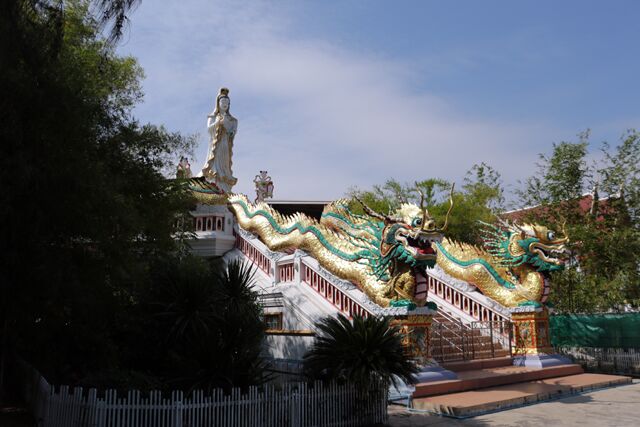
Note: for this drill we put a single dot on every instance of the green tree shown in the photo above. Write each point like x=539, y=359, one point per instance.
x=481, y=199
x=605, y=236
x=84, y=203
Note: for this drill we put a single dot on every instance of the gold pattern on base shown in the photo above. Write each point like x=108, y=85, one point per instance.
x=531, y=333
x=416, y=336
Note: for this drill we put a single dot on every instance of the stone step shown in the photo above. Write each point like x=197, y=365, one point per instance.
x=458, y=356
x=492, y=377
x=476, y=347
x=470, y=365
x=472, y=403
x=453, y=353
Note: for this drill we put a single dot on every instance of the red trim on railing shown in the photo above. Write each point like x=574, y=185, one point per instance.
x=308, y=276
x=286, y=272
x=331, y=293
x=208, y=223
x=253, y=254
x=462, y=302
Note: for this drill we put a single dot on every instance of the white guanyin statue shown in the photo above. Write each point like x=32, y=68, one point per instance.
x=222, y=128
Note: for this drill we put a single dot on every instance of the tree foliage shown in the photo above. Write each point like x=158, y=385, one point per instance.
x=604, y=235
x=87, y=212
x=208, y=324
x=481, y=198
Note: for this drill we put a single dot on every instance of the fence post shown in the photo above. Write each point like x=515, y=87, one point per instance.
x=294, y=410
x=462, y=339
x=177, y=408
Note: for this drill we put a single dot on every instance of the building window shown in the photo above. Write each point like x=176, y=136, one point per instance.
x=273, y=321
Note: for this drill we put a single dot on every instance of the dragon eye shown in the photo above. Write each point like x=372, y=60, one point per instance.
x=417, y=222
x=551, y=235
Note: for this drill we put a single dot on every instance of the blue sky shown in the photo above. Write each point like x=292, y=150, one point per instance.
x=333, y=94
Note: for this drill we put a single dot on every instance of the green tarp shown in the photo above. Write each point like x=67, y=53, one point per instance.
x=596, y=330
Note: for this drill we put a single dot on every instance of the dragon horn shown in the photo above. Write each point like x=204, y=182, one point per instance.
x=446, y=218
x=564, y=231
x=371, y=212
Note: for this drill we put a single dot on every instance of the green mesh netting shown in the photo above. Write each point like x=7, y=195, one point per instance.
x=596, y=330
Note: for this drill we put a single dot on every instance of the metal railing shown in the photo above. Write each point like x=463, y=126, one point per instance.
x=456, y=341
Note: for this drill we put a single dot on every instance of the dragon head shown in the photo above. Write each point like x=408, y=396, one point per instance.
x=408, y=236
x=406, y=247
x=530, y=244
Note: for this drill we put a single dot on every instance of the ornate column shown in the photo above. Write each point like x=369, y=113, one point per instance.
x=415, y=327
x=531, y=339
x=416, y=336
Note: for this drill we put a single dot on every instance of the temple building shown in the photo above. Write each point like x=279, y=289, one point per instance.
x=470, y=317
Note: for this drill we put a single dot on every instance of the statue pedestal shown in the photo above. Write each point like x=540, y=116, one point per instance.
x=532, y=342
x=416, y=332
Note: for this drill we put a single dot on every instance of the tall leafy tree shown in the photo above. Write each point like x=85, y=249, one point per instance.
x=84, y=203
x=604, y=235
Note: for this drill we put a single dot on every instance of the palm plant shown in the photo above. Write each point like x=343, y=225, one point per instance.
x=212, y=325
x=362, y=352
x=186, y=300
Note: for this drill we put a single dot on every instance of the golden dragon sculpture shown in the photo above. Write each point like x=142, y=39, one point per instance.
x=512, y=268
x=386, y=256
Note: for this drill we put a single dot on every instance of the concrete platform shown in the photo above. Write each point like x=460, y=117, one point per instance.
x=491, y=377
x=472, y=403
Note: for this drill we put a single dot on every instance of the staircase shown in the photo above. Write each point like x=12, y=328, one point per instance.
x=454, y=340
x=471, y=336
x=494, y=384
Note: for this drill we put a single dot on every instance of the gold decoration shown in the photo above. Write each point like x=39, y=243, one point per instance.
x=338, y=252
x=416, y=336
x=531, y=332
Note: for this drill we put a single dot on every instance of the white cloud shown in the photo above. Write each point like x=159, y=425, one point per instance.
x=319, y=117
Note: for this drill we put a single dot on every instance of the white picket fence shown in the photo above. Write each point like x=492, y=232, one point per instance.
x=292, y=404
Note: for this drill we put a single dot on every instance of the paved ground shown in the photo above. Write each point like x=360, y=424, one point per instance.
x=619, y=406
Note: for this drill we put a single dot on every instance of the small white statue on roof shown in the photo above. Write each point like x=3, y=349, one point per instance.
x=184, y=168
x=264, y=187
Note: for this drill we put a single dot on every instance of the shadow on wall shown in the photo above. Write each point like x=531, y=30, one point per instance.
x=287, y=346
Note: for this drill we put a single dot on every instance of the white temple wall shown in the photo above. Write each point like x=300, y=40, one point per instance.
x=213, y=225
